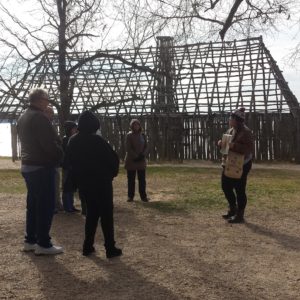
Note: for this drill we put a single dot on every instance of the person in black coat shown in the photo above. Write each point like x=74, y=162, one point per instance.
x=93, y=164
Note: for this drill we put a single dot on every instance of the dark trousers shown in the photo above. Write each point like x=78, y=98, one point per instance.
x=131, y=183
x=67, y=194
x=83, y=202
x=40, y=205
x=99, y=205
x=58, y=204
x=68, y=201
x=239, y=185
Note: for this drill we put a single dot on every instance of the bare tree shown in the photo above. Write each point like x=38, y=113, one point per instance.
x=56, y=27
x=212, y=19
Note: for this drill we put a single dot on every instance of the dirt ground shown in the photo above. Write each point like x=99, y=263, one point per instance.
x=166, y=256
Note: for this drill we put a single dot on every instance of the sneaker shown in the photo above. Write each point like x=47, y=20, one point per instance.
x=28, y=247
x=114, y=252
x=130, y=200
x=48, y=251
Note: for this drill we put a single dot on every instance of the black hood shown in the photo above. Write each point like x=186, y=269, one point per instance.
x=88, y=122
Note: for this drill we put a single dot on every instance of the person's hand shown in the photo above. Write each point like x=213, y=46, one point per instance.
x=220, y=143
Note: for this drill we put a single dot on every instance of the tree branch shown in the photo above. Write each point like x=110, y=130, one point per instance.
x=108, y=104
x=230, y=17
x=113, y=56
x=190, y=17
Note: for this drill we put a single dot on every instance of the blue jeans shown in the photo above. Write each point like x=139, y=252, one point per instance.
x=40, y=205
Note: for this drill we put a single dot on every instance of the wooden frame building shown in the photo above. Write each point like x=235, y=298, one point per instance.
x=182, y=94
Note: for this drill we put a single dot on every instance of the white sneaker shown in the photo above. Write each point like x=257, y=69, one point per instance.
x=28, y=247
x=48, y=251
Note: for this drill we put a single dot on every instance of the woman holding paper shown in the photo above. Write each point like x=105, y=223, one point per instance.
x=241, y=143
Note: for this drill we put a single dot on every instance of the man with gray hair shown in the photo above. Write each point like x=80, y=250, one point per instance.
x=40, y=153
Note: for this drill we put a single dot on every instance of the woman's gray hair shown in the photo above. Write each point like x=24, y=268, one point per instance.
x=36, y=94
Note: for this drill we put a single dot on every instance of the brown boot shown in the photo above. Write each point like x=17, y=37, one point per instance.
x=238, y=218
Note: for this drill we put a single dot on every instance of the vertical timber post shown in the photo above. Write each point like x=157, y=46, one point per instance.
x=297, y=158
x=14, y=141
x=169, y=121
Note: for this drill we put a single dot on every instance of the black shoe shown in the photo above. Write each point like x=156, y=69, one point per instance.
x=145, y=199
x=229, y=215
x=88, y=251
x=130, y=199
x=113, y=252
x=236, y=220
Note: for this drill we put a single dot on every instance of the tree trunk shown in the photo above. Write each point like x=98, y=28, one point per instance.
x=65, y=99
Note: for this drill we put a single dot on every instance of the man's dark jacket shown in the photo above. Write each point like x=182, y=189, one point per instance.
x=39, y=141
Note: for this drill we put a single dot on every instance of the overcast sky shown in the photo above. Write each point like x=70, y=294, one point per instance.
x=280, y=46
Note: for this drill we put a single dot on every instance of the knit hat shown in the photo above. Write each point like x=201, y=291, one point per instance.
x=88, y=122
x=239, y=114
x=68, y=126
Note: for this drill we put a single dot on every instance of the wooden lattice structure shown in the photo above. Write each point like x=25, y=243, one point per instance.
x=182, y=94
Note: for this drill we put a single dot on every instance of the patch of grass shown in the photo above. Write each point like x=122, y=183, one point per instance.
x=186, y=189
x=200, y=189
x=11, y=182
x=167, y=206
x=274, y=188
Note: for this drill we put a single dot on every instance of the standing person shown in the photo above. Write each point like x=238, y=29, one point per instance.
x=40, y=153
x=58, y=204
x=135, y=162
x=68, y=196
x=93, y=165
x=241, y=142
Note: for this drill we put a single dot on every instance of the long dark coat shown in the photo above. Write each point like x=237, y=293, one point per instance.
x=136, y=144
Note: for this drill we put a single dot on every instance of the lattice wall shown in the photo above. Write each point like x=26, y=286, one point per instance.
x=201, y=79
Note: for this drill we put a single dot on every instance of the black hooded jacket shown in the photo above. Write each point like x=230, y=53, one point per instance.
x=89, y=158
